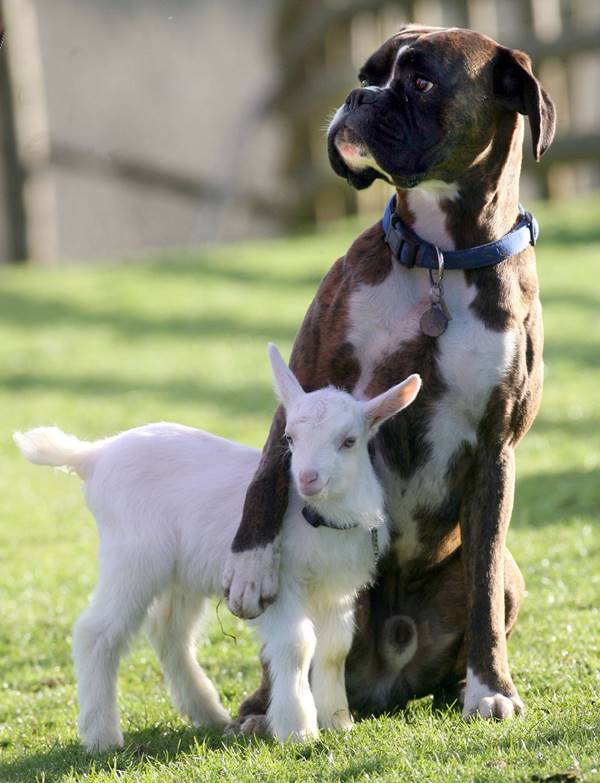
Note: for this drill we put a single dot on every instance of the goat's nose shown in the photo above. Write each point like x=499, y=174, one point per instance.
x=308, y=478
x=362, y=95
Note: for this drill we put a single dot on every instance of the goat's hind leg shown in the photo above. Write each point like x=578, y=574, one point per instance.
x=100, y=638
x=173, y=623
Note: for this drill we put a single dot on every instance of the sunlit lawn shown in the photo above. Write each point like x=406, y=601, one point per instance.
x=99, y=349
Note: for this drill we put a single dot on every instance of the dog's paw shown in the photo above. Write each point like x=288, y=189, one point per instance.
x=479, y=700
x=496, y=707
x=251, y=580
x=257, y=725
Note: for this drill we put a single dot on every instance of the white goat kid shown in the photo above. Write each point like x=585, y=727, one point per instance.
x=167, y=500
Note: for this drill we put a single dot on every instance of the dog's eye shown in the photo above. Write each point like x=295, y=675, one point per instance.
x=289, y=439
x=364, y=82
x=422, y=85
x=348, y=443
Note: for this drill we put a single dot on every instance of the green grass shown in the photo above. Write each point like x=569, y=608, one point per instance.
x=105, y=348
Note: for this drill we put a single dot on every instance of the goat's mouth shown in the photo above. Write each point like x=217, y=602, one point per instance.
x=312, y=492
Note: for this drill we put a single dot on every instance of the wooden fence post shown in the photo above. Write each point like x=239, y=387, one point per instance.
x=31, y=131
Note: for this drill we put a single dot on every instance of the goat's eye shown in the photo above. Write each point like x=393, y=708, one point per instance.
x=348, y=443
x=422, y=85
x=289, y=439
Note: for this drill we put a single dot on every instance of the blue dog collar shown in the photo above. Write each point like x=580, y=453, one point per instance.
x=410, y=250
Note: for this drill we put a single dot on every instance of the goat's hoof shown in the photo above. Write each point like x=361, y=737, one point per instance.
x=218, y=718
x=251, y=580
x=339, y=721
x=302, y=735
x=104, y=739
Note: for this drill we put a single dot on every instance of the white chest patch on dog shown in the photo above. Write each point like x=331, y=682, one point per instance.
x=430, y=219
x=472, y=361
x=382, y=317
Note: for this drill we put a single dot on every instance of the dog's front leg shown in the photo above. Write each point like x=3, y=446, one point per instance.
x=486, y=514
x=251, y=574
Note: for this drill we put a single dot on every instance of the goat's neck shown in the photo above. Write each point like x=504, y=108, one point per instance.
x=363, y=505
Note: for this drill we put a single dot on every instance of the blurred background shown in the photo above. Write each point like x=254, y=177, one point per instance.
x=132, y=125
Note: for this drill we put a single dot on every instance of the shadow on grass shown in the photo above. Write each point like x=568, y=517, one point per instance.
x=249, y=398
x=586, y=355
x=575, y=299
x=550, y=498
x=153, y=745
x=203, y=268
x=585, y=427
x=570, y=235
x=36, y=312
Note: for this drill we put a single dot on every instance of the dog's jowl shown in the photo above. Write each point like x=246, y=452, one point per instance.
x=439, y=114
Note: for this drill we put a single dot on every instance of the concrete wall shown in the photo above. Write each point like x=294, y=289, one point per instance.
x=137, y=89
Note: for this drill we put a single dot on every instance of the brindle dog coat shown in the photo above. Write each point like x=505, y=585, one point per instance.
x=447, y=462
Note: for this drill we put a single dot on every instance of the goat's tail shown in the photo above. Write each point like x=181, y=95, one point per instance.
x=52, y=446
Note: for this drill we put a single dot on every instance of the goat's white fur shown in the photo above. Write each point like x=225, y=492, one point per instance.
x=167, y=500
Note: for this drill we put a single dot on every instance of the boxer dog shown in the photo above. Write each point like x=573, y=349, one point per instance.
x=439, y=116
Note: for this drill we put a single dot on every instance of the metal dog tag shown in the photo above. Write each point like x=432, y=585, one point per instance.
x=433, y=321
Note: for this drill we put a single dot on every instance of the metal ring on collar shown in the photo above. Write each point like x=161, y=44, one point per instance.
x=440, y=270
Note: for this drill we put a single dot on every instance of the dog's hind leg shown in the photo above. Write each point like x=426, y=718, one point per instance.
x=173, y=622
x=252, y=715
x=514, y=589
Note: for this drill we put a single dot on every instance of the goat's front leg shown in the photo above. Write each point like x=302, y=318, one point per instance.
x=335, y=628
x=489, y=690
x=289, y=645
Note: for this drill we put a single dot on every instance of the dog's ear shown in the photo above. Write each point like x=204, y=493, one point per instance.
x=516, y=87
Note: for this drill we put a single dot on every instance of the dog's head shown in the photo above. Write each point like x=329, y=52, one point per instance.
x=431, y=102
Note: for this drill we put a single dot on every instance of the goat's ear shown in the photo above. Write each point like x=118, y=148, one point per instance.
x=516, y=87
x=392, y=401
x=285, y=383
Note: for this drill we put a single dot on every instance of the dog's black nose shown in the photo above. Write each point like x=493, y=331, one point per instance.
x=362, y=95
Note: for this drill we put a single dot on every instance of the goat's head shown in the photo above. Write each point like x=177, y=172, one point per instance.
x=328, y=430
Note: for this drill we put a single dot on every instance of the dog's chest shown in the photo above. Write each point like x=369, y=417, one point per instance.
x=468, y=359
